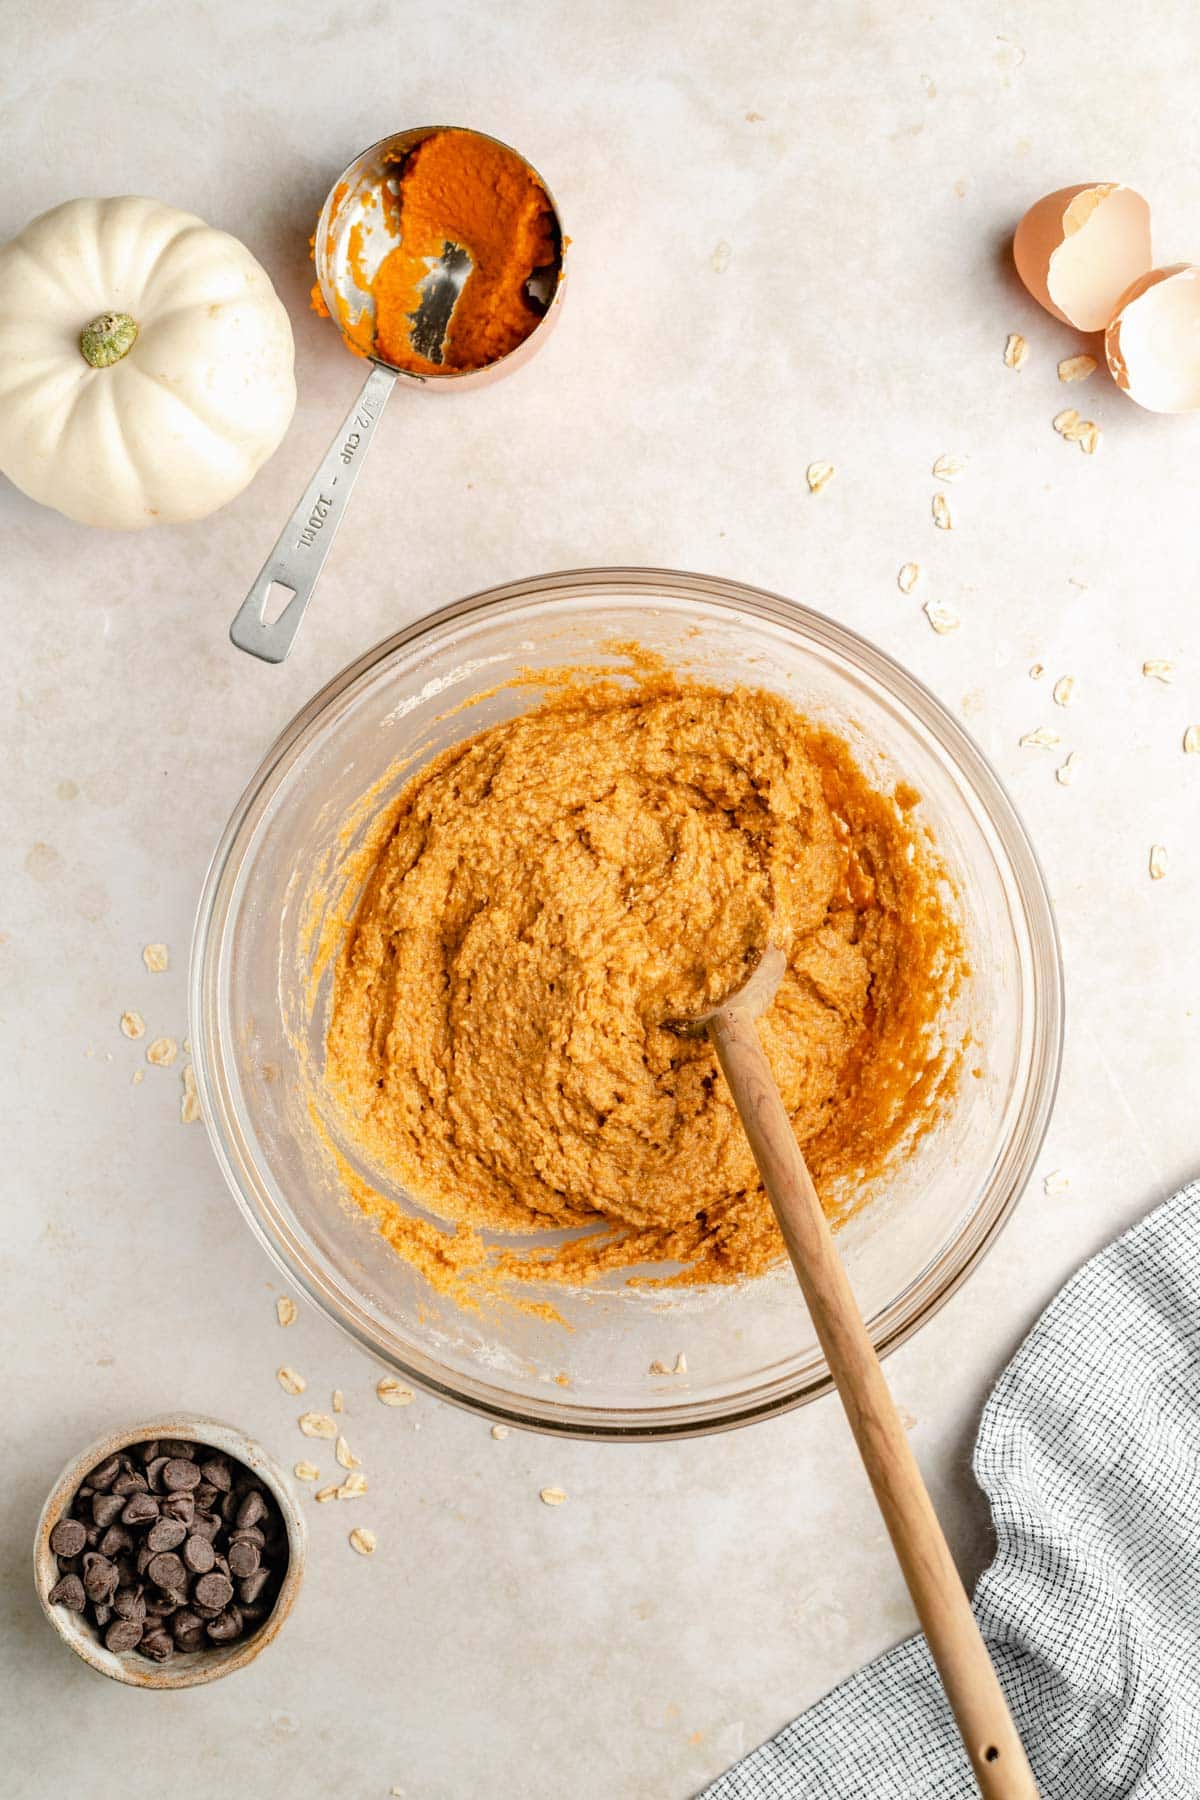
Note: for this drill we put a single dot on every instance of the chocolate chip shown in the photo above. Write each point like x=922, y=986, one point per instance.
x=188, y=1630
x=106, y=1508
x=228, y=1506
x=99, y=1576
x=68, y=1538
x=138, y=1508
x=154, y=1469
x=106, y=1474
x=131, y=1482
x=251, y=1586
x=122, y=1634
x=181, y=1472
x=206, y=1612
x=243, y=1557
x=94, y=1534
x=130, y=1603
x=214, y=1590
x=226, y=1626
x=101, y=1613
x=149, y=1451
x=249, y=1534
x=206, y=1524
x=178, y=1447
x=206, y=1494
x=166, y=1571
x=199, y=1554
x=115, y=1540
x=69, y=1593
x=145, y=1557
x=69, y=1565
x=217, y=1473
x=180, y=1506
x=252, y=1509
x=166, y=1534
x=157, y=1645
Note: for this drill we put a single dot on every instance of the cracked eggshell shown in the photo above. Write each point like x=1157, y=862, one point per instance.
x=1078, y=250
x=1153, y=341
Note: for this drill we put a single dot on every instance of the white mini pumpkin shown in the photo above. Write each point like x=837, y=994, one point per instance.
x=145, y=363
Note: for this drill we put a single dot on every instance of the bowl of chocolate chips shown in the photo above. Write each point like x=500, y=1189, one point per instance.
x=169, y=1554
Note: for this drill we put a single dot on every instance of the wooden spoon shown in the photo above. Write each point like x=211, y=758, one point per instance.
x=984, y=1722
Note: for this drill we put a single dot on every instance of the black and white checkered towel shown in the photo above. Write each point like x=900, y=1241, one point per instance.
x=1089, y=1452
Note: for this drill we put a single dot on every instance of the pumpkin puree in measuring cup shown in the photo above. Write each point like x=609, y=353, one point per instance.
x=455, y=188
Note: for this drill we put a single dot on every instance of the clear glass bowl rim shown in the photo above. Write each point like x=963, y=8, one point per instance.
x=963, y=1255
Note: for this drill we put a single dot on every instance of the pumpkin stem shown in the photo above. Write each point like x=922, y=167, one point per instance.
x=107, y=339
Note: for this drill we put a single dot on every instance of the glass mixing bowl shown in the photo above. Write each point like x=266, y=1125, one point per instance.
x=258, y=1014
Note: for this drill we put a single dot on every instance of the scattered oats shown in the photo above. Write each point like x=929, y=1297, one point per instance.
x=941, y=513
x=1089, y=438
x=552, y=1496
x=499, y=1431
x=162, y=1052
x=306, y=1471
x=1055, y=1183
x=1191, y=740
x=318, y=1425
x=132, y=1024
x=354, y=1486
x=659, y=1368
x=1158, y=670
x=339, y=1401
x=818, y=475
x=1041, y=739
x=290, y=1381
x=393, y=1392
x=907, y=1419
x=943, y=618
x=326, y=1493
x=189, y=1106
x=907, y=579
x=1158, y=861
x=1064, y=691
x=285, y=1310
x=1076, y=368
x=187, y=1046
x=680, y=1365
x=345, y=1455
x=138, y=1076
x=1037, y=671
x=721, y=257
x=363, y=1541
x=1016, y=351
x=949, y=468
x=157, y=958
x=1066, y=772
x=1065, y=421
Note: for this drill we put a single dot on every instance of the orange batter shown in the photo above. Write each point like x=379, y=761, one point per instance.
x=546, y=893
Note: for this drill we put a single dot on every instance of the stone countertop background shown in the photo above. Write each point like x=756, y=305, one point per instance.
x=790, y=233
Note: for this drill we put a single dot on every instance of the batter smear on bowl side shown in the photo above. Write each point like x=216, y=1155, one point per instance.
x=544, y=894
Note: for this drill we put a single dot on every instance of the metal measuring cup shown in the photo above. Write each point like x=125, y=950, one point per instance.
x=355, y=203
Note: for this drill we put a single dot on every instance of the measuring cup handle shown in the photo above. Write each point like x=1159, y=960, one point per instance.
x=305, y=541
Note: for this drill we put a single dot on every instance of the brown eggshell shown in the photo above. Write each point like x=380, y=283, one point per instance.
x=1153, y=341
x=1079, y=249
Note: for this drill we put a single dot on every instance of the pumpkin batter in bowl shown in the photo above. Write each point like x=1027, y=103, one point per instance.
x=542, y=895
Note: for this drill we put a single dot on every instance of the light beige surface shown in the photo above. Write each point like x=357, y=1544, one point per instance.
x=824, y=281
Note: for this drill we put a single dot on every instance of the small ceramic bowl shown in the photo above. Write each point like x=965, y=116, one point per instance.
x=198, y=1666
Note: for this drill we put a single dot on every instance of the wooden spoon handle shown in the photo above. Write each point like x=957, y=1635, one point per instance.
x=988, y=1733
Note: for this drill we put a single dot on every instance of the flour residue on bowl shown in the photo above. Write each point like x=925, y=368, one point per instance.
x=507, y=933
